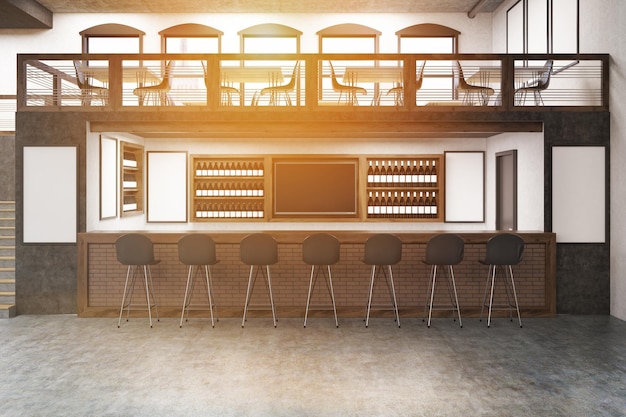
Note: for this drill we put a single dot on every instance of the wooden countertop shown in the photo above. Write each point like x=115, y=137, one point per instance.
x=297, y=236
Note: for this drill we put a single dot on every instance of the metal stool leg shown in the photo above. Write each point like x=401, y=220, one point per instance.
x=308, y=298
x=187, y=295
x=456, y=297
x=519, y=317
x=369, y=299
x=269, y=286
x=332, y=295
x=393, y=294
x=248, y=293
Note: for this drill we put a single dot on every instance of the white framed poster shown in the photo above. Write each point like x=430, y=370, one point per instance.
x=578, y=194
x=465, y=186
x=50, y=186
x=167, y=186
x=108, y=177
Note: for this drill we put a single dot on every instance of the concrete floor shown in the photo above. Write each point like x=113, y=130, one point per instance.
x=65, y=366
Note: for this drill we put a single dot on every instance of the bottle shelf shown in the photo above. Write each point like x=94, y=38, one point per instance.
x=228, y=188
x=131, y=173
x=404, y=188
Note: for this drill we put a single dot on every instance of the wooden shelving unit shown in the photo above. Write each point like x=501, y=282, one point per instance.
x=228, y=188
x=131, y=175
x=405, y=187
x=398, y=188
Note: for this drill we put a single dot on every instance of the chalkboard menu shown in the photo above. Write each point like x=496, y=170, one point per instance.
x=315, y=187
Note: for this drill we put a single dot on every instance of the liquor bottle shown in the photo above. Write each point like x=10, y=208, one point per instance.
x=220, y=170
x=198, y=211
x=261, y=189
x=414, y=176
x=255, y=169
x=433, y=205
x=370, y=204
x=427, y=180
x=389, y=174
x=261, y=169
x=199, y=190
x=377, y=205
x=421, y=206
x=383, y=174
x=395, y=206
x=227, y=169
x=376, y=174
x=402, y=178
x=238, y=169
x=414, y=205
x=433, y=174
x=221, y=192
x=420, y=175
x=402, y=206
x=198, y=169
x=395, y=174
x=208, y=170
x=427, y=210
x=370, y=174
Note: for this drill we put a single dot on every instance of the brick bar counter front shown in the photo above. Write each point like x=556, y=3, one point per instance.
x=101, y=277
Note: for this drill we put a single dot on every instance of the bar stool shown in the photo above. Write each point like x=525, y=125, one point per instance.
x=136, y=251
x=382, y=250
x=505, y=250
x=259, y=250
x=320, y=250
x=444, y=250
x=195, y=251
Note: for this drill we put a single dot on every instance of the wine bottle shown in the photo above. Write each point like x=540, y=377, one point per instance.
x=377, y=205
x=370, y=204
x=414, y=176
x=427, y=180
x=370, y=174
x=402, y=179
x=198, y=169
x=376, y=174
x=420, y=175
x=421, y=206
x=395, y=174
x=433, y=175
x=389, y=179
x=433, y=205
x=395, y=205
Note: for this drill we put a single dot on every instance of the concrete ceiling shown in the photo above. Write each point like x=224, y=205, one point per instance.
x=38, y=14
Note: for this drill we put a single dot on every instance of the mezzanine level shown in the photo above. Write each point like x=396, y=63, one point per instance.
x=345, y=82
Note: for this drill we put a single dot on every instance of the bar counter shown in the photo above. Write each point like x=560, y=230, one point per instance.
x=101, y=277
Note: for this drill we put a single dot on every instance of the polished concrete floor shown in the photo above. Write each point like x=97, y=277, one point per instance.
x=65, y=366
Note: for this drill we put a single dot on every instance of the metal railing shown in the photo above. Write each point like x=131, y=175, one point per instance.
x=374, y=81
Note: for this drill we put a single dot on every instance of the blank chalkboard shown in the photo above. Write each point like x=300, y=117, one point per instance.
x=315, y=187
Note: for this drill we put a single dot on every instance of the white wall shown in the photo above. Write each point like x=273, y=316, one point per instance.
x=530, y=187
x=602, y=30
x=602, y=25
x=64, y=36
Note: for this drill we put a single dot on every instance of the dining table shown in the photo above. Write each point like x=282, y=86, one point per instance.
x=130, y=74
x=370, y=74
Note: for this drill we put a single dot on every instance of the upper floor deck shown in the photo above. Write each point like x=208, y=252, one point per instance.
x=310, y=82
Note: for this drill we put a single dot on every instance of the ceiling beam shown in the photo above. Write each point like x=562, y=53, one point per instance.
x=24, y=14
x=280, y=129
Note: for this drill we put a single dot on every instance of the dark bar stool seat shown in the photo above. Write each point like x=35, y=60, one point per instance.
x=320, y=250
x=504, y=250
x=258, y=250
x=137, y=252
x=196, y=251
x=444, y=250
x=381, y=252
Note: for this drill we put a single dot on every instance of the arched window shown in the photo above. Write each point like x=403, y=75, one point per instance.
x=112, y=37
x=270, y=38
x=428, y=38
x=191, y=38
x=348, y=37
